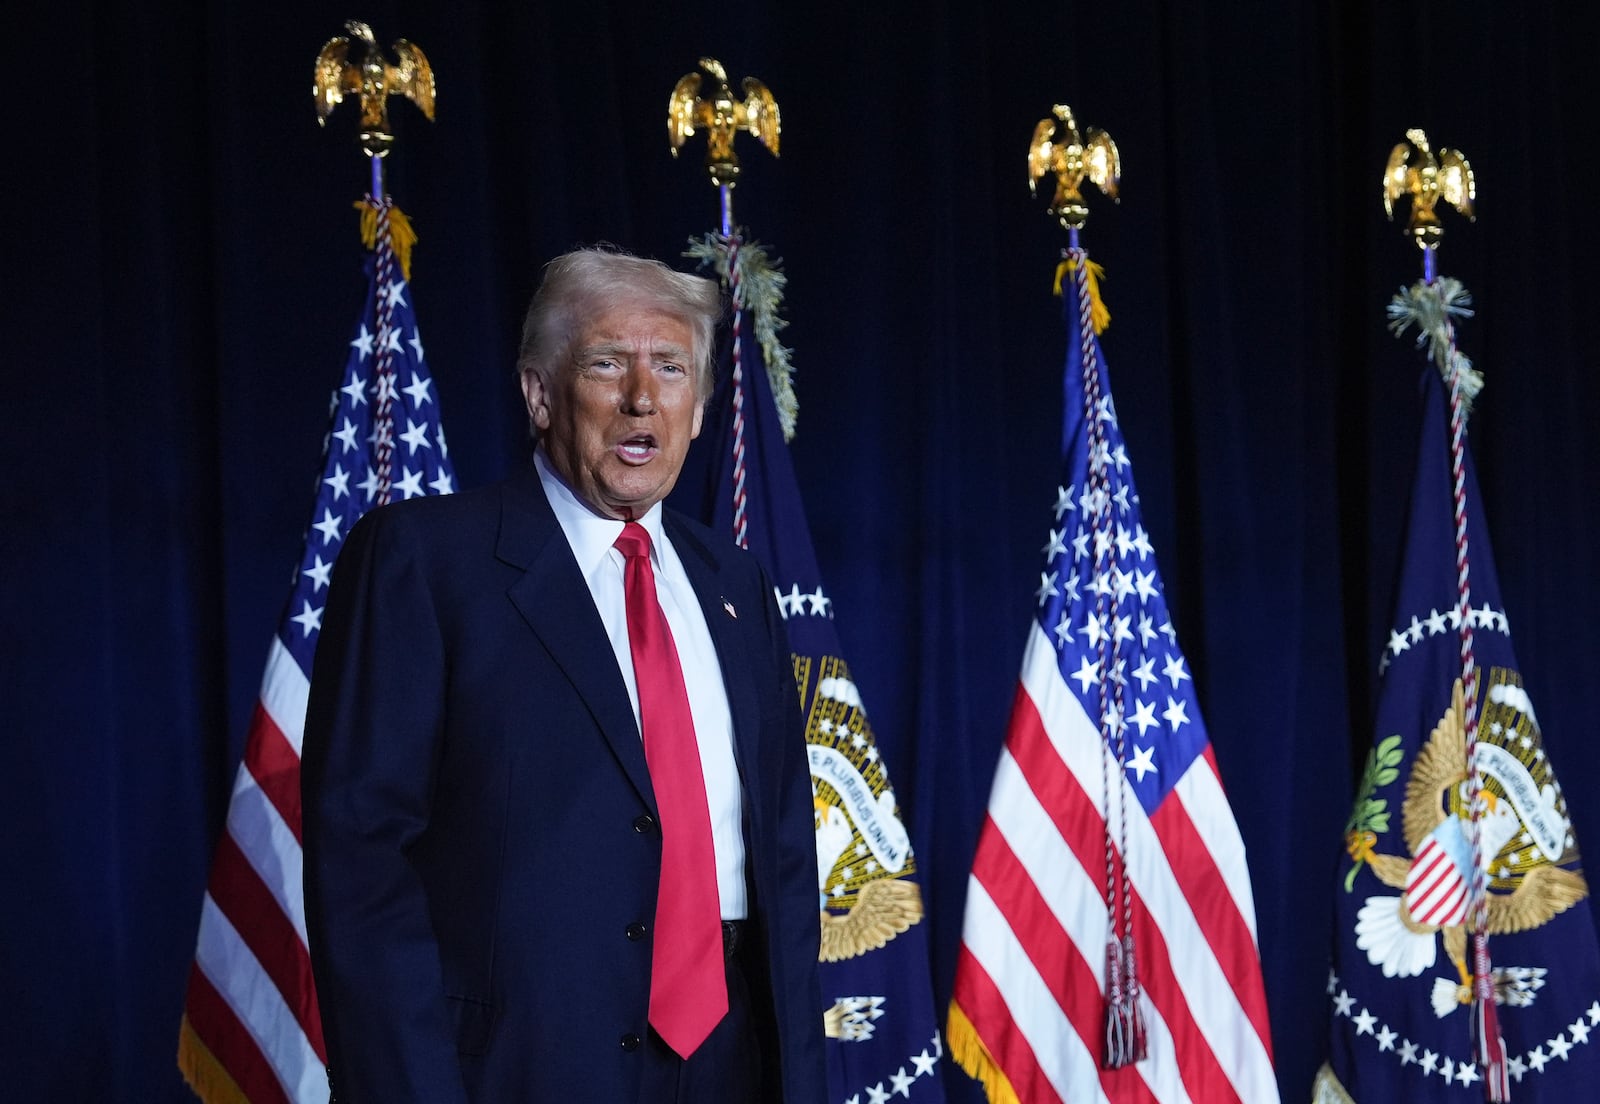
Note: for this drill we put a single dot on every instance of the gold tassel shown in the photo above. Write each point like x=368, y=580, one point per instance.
x=204, y=1074
x=401, y=236
x=971, y=1055
x=1099, y=316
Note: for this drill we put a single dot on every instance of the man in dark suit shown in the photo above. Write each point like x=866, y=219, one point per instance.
x=557, y=813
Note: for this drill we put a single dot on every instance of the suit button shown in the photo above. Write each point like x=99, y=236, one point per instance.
x=644, y=824
x=636, y=931
x=630, y=1042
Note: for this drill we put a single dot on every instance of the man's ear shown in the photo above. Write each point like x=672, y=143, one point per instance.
x=535, y=394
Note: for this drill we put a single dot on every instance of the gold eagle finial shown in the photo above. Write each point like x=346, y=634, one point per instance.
x=721, y=117
x=341, y=72
x=1414, y=170
x=1058, y=148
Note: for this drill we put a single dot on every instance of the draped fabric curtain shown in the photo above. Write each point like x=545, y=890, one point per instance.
x=183, y=270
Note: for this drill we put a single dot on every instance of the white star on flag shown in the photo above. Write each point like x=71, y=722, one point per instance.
x=415, y=436
x=319, y=573
x=309, y=619
x=418, y=390
x=328, y=527
x=411, y=484
x=347, y=435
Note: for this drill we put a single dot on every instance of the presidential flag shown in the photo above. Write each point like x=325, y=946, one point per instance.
x=1404, y=967
x=1109, y=944
x=882, y=1032
x=250, y=1029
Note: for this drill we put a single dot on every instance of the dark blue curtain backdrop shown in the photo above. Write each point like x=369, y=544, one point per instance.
x=181, y=270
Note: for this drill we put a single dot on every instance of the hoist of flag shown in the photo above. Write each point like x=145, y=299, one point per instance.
x=251, y=1030
x=1077, y=838
x=883, y=1038
x=1400, y=1003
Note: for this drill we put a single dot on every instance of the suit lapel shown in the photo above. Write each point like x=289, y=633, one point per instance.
x=705, y=575
x=554, y=599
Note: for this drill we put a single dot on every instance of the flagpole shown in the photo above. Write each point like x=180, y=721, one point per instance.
x=252, y=1027
x=869, y=909
x=722, y=116
x=357, y=66
x=1058, y=148
x=1080, y=767
x=1414, y=170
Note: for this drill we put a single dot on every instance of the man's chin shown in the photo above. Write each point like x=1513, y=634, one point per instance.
x=630, y=502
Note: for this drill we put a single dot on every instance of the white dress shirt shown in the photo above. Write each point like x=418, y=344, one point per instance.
x=592, y=539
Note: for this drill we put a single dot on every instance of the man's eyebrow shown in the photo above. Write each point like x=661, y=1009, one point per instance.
x=602, y=349
x=599, y=349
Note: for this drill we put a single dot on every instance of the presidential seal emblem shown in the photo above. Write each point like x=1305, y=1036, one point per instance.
x=1525, y=839
x=864, y=855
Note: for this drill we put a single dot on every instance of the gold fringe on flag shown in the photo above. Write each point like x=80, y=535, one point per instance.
x=401, y=236
x=1326, y=1089
x=204, y=1074
x=1099, y=316
x=971, y=1055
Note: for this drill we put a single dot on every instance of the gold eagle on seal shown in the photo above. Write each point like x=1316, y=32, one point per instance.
x=1398, y=932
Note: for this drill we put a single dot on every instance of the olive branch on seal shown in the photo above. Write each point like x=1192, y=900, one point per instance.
x=1370, y=815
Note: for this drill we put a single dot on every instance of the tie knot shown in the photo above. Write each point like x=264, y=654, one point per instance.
x=634, y=541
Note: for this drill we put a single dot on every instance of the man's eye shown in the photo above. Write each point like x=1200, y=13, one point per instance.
x=603, y=365
x=673, y=368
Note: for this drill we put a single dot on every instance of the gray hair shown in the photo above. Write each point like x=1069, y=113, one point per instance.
x=587, y=281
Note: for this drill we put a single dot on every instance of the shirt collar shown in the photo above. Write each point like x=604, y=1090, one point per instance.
x=590, y=535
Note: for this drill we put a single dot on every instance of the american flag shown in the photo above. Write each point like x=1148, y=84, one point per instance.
x=1107, y=819
x=251, y=1030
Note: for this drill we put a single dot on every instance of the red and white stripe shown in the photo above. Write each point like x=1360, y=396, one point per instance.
x=1031, y=972
x=251, y=1000
x=1436, y=893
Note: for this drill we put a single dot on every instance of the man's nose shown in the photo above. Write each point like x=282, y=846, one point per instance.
x=640, y=390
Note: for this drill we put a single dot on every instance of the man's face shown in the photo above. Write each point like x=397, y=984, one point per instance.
x=617, y=416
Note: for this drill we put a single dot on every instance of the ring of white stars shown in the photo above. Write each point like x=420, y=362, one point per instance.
x=1462, y=1072
x=903, y=1080
x=1483, y=618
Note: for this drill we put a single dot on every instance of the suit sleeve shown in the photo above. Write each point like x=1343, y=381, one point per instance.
x=797, y=938
x=373, y=737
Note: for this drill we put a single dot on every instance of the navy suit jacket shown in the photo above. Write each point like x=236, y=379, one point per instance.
x=479, y=826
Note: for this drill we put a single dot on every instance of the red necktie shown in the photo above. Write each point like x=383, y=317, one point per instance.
x=688, y=992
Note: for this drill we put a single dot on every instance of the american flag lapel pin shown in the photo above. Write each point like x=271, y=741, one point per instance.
x=733, y=613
